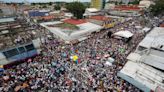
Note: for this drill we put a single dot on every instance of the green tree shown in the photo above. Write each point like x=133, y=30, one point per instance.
x=50, y=3
x=57, y=7
x=77, y=9
x=1, y=11
x=157, y=8
x=33, y=4
x=44, y=6
x=136, y=2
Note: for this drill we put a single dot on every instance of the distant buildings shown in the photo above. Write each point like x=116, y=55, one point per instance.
x=125, y=10
x=122, y=1
x=98, y=4
x=91, y=12
x=145, y=3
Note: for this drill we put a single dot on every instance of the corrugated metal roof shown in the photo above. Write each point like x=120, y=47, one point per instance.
x=154, y=39
x=2, y=20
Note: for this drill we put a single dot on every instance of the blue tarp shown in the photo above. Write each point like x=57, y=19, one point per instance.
x=37, y=13
x=1, y=69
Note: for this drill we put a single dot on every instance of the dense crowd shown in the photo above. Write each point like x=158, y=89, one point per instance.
x=54, y=71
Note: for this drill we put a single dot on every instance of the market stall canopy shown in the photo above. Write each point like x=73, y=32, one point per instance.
x=125, y=34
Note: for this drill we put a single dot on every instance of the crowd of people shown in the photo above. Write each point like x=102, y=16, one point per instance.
x=54, y=71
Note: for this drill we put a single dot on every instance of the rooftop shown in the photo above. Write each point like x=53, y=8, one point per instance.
x=2, y=20
x=16, y=33
x=75, y=21
x=101, y=18
x=154, y=39
x=145, y=66
x=83, y=29
x=127, y=7
x=49, y=17
x=162, y=25
x=92, y=9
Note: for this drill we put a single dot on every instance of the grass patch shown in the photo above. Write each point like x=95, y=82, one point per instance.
x=65, y=26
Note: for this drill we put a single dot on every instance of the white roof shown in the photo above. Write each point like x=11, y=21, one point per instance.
x=134, y=57
x=68, y=14
x=154, y=39
x=125, y=34
x=68, y=35
x=92, y=9
x=145, y=3
x=144, y=74
x=6, y=20
x=155, y=59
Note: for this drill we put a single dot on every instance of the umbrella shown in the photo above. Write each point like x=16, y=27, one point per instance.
x=75, y=57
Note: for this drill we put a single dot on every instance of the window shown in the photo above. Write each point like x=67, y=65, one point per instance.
x=11, y=53
x=21, y=49
x=29, y=47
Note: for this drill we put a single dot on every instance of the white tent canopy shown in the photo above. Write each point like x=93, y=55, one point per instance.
x=125, y=34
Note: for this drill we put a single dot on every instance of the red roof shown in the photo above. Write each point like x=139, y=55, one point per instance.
x=99, y=18
x=127, y=7
x=48, y=17
x=162, y=25
x=75, y=21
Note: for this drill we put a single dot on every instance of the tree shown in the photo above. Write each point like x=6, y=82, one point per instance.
x=44, y=6
x=157, y=8
x=136, y=2
x=57, y=7
x=33, y=4
x=1, y=11
x=77, y=9
x=50, y=3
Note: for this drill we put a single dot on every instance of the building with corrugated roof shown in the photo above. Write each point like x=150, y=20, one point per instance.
x=18, y=40
x=126, y=10
x=145, y=66
x=71, y=29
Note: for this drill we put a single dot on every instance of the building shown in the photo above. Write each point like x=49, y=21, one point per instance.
x=18, y=40
x=145, y=3
x=91, y=12
x=122, y=1
x=126, y=10
x=70, y=29
x=145, y=66
x=104, y=21
x=98, y=4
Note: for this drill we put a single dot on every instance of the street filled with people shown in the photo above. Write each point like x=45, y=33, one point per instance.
x=76, y=67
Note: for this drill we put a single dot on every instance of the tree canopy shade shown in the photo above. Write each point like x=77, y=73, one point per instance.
x=136, y=2
x=77, y=9
x=57, y=7
x=158, y=8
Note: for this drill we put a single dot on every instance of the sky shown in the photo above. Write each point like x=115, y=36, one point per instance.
x=43, y=0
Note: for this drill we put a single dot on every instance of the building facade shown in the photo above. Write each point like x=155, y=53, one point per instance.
x=98, y=4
